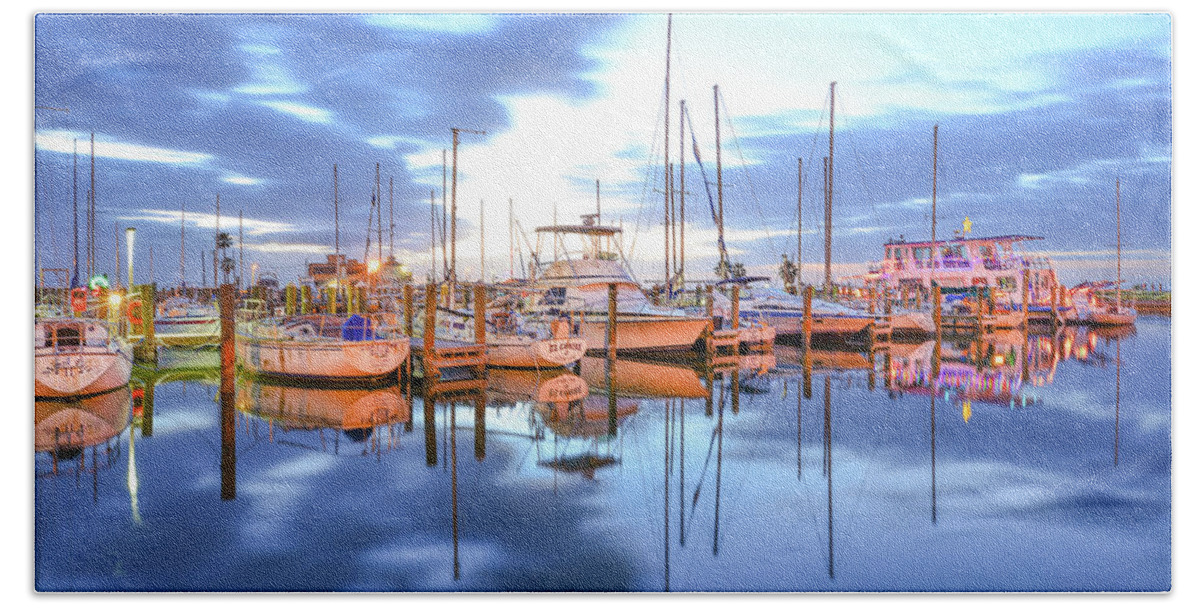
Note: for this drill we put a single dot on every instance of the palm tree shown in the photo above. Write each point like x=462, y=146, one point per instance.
x=227, y=266
x=225, y=241
x=787, y=273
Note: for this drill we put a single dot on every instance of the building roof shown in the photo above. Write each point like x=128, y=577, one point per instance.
x=1007, y=237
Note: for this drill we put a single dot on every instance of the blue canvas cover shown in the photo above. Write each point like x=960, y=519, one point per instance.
x=357, y=329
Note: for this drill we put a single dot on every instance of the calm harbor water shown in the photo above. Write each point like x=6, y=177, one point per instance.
x=1023, y=470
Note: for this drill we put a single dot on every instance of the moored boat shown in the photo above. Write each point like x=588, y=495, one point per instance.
x=74, y=357
x=321, y=347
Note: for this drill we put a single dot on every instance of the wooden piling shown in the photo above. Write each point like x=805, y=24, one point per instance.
x=871, y=301
x=480, y=299
x=978, y=310
x=149, y=342
x=991, y=300
x=612, y=320
x=228, y=428
x=936, y=300
x=735, y=294
x=1025, y=296
x=305, y=299
x=808, y=322
x=408, y=309
x=430, y=350
x=289, y=302
x=148, y=409
x=480, y=424
x=331, y=306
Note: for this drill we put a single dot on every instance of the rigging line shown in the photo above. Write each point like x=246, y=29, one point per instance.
x=650, y=173
x=812, y=149
x=746, y=171
x=712, y=208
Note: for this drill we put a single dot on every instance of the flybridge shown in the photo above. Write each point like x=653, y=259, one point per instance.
x=1010, y=238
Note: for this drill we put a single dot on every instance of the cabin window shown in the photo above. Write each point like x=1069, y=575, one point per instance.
x=555, y=296
x=67, y=336
x=985, y=251
x=921, y=253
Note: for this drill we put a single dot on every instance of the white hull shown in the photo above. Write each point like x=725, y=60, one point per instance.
x=1111, y=318
x=913, y=322
x=645, y=333
x=322, y=359
x=86, y=371
x=519, y=351
x=187, y=331
x=313, y=408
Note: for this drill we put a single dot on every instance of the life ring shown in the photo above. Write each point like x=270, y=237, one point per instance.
x=135, y=312
x=79, y=299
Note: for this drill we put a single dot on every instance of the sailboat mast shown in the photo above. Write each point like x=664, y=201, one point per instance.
x=829, y=195
x=445, y=263
x=799, y=225
x=720, y=190
x=481, y=259
x=182, y=235
x=682, y=222
x=337, y=231
x=379, y=212
x=512, y=271
x=391, y=220
x=91, y=214
x=432, y=238
x=1118, y=246
x=667, y=164
x=933, y=213
x=75, y=201
x=241, y=251
x=116, y=253
x=453, y=206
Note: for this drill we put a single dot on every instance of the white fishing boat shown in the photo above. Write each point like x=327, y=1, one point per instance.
x=74, y=357
x=320, y=347
x=516, y=340
x=784, y=312
x=575, y=284
x=182, y=322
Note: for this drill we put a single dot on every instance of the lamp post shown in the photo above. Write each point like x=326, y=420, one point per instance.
x=129, y=234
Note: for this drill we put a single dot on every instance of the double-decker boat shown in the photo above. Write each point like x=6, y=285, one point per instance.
x=575, y=284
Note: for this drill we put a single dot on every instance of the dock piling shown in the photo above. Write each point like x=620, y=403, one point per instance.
x=228, y=428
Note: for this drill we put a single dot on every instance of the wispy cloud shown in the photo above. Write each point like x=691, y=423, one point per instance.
x=274, y=247
x=475, y=23
x=208, y=221
x=301, y=111
x=64, y=142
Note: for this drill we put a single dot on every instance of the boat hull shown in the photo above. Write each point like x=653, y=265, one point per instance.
x=645, y=334
x=321, y=360
x=87, y=371
x=1110, y=319
x=519, y=352
x=187, y=331
x=791, y=323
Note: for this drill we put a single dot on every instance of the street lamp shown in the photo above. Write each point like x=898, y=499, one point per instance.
x=129, y=234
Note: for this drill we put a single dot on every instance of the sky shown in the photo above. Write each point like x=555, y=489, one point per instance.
x=1038, y=115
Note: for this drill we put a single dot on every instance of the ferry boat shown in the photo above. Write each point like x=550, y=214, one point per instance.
x=961, y=263
x=575, y=284
x=319, y=347
x=75, y=357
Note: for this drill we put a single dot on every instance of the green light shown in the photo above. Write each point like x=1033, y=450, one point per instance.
x=98, y=281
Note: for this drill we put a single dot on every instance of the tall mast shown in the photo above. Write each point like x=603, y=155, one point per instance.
x=241, y=252
x=203, y=271
x=445, y=263
x=379, y=212
x=432, y=238
x=116, y=253
x=453, y=205
x=391, y=220
x=829, y=196
x=667, y=164
x=182, y=234
x=75, y=202
x=597, y=200
x=720, y=192
x=512, y=271
x=481, y=275
x=337, y=231
x=933, y=214
x=799, y=225
x=216, y=280
x=91, y=230
x=1118, y=246
x=825, y=193
x=682, y=221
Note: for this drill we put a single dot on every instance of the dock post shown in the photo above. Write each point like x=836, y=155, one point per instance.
x=289, y=302
x=331, y=300
x=480, y=299
x=1025, y=296
x=887, y=303
x=149, y=342
x=735, y=391
x=480, y=424
x=430, y=349
x=708, y=314
x=228, y=427
x=979, y=310
x=991, y=300
x=305, y=299
x=148, y=409
x=612, y=321
x=808, y=296
x=408, y=309
x=937, y=309
x=362, y=300
x=735, y=295
x=351, y=299
x=871, y=301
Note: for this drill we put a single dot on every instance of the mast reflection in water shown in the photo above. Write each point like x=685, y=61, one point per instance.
x=1016, y=462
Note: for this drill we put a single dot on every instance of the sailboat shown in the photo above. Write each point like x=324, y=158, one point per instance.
x=1090, y=309
x=515, y=339
x=180, y=320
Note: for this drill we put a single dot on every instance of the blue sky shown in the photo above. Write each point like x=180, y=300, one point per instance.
x=1038, y=116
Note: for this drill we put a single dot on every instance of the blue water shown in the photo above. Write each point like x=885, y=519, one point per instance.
x=1046, y=488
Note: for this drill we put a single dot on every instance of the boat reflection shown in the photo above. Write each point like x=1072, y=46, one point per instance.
x=991, y=369
x=63, y=429
x=367, y=417
x=638, y=378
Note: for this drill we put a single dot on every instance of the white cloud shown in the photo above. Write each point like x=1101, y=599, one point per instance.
x=273, y=247
x=241, y=180
x=301, y=111
x=208, y=221
x=64, y=142
x=461, y=23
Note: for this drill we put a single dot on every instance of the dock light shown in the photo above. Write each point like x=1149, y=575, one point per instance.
x=129, y=233
x=373, y=266
x=114, y=299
